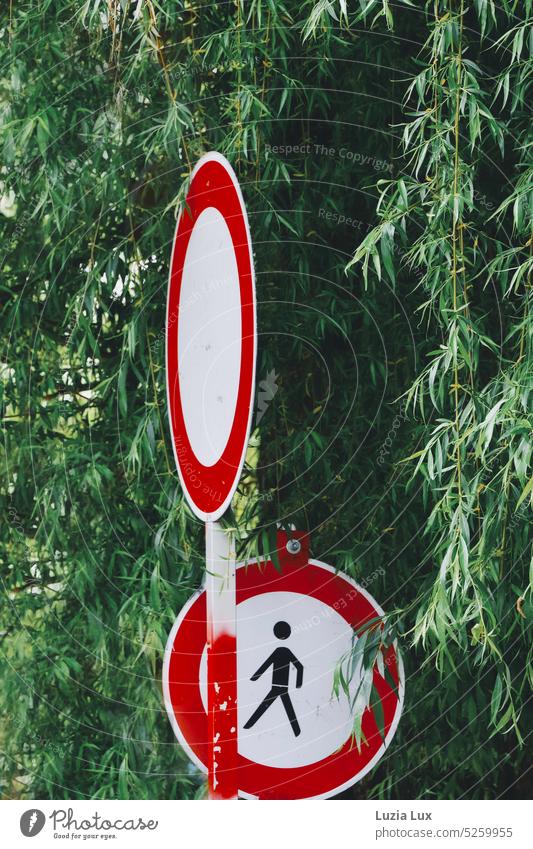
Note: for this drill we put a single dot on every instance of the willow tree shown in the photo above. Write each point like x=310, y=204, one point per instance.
x=384, y=154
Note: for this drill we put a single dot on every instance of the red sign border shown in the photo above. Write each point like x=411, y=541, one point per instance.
x=209, y=489
x=267, y=579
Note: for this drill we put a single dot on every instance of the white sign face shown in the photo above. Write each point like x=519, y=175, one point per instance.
x=209, y=336
x=319, y=638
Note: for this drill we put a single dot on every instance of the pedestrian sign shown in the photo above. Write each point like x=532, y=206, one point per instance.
x=295, y=737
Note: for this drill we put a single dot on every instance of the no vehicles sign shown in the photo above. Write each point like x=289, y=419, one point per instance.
x=211, y=338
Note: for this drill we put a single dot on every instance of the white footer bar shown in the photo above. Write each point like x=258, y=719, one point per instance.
x=357, y=824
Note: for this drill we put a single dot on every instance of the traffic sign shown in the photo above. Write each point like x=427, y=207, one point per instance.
x=211, y=338
x=295, y=737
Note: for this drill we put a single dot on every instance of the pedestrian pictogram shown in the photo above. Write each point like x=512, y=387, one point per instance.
x=280, y=660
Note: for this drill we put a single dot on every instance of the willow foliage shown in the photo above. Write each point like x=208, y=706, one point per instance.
x=385, y=155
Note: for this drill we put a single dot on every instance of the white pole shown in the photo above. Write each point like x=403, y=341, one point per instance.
x=221, y=662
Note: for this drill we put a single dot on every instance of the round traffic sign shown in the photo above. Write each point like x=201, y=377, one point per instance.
x=211, y=338
x=295, y=737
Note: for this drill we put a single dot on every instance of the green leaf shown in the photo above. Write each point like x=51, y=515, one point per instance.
x=525, y=492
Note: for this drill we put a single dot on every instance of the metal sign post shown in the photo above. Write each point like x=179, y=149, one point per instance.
x=220, y=590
